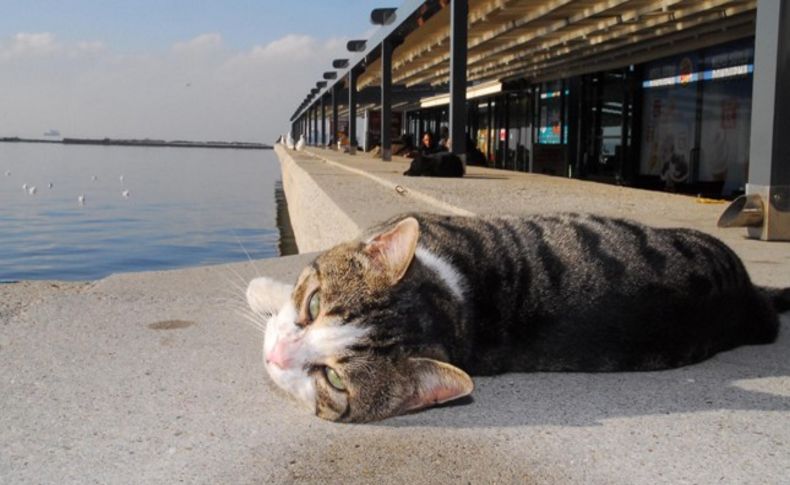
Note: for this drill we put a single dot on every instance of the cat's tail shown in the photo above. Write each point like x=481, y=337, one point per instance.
x=779, y=298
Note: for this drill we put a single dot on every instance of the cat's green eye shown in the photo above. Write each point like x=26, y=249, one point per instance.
x=334, y=379
x=314, y=305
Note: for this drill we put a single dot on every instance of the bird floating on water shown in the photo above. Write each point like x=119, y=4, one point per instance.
x=81, y=199
x=8, y=173
x=94, y=178
x=24, y=186
x=126, y=194
x=32, y=190
x=50, y=185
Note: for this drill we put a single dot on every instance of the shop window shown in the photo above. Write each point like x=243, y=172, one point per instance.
x=697, y=117
x=552, y=127
x=726, y=118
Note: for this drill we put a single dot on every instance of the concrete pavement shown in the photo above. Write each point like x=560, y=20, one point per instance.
x=157, y=377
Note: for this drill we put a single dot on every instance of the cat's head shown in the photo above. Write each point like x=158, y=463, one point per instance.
x=353, y=341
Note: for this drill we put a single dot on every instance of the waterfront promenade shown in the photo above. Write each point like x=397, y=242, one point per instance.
x=154, y=377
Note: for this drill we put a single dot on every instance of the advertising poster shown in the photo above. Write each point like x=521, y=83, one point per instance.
x=669, y=120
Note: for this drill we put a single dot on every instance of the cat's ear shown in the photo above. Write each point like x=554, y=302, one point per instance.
x=436, y=383
x=393, y=250
x=267, y=296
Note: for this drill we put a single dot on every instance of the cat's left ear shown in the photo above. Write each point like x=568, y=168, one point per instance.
x=394, y=249
x=436, y=383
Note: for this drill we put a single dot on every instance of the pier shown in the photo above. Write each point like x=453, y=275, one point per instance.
x=574, y=105
x=155, y=377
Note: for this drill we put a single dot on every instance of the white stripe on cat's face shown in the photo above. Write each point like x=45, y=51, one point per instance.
x=290, y=350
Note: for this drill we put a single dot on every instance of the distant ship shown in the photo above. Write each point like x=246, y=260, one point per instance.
x=52, y=133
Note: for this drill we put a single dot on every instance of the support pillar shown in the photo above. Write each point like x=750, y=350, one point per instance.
x=335, y=117
x=352, y=111
x=308, y=126
x=323, y=123
x=459, y=10
x=315, y=124
x=386, y=100
x=769, y=151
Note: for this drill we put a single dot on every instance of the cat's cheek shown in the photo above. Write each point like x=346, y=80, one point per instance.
x=296, y=383
x=278, y=326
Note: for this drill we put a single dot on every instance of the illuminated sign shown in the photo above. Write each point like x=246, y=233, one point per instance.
x=693, y=77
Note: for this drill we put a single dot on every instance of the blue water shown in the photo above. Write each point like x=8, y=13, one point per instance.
x=186, y=206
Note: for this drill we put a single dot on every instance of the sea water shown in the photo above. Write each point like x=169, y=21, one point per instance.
x=183, y=207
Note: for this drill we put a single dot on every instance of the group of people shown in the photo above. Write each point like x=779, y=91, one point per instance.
x=427, y=147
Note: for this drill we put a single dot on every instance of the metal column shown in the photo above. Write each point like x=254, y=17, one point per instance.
x=352, y=111
x=308, y=126
x=769, y=151
x=335, y=127
x=323, y=123
x=386, y=100
x=458, y=35
x=315, y=125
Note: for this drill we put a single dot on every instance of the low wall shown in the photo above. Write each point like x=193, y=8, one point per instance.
x=318, y=223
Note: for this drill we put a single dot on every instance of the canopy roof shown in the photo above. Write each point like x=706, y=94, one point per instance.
x=539, y=40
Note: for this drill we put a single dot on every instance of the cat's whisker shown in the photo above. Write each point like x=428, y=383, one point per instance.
x=238, y=239
x=252, y=320
x=238, y=276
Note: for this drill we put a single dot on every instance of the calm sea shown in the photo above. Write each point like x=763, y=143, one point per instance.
x=184, y=207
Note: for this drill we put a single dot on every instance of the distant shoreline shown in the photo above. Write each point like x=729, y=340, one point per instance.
x=143, y=143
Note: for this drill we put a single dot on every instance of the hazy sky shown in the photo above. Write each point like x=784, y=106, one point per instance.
x=199, y=70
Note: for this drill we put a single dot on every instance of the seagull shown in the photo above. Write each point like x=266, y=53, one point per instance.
x=81, y=199
x=24, y=186
x=94, y=178
x=289, y=142
x=300, y=144
x=125, y=194
x=32, y=190
x=50, y=185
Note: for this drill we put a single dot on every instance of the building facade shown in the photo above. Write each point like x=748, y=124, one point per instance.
x=681, y=122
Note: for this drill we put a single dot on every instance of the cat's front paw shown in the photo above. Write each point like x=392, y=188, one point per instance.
x=267, y=296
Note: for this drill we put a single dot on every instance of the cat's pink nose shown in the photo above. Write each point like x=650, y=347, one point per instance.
x=280, y=354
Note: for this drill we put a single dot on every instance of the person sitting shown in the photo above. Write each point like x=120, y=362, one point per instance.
x=444, y=139
x=427, y=147
x=342, y=141
x=473, y=154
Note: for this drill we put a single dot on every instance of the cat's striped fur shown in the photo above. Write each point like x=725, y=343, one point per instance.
x=565, y=292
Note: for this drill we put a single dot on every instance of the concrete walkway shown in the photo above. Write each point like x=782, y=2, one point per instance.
x=157, y=377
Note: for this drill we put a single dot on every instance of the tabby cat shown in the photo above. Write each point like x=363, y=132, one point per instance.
x=399, y=319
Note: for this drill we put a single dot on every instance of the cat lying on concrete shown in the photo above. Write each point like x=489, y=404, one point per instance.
x=399, y=319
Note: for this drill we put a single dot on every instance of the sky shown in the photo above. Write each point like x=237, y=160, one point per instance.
x=232, y=70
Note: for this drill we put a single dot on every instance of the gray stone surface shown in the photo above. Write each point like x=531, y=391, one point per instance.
x=157, y=378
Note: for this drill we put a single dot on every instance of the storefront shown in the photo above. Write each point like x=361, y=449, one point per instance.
x=697, y=117
x=680, y=123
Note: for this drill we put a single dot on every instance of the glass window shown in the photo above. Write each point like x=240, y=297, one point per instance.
x=697, y=116
x=551, y=129
x=726, y=117
x=669, y=118
x=518, y=140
